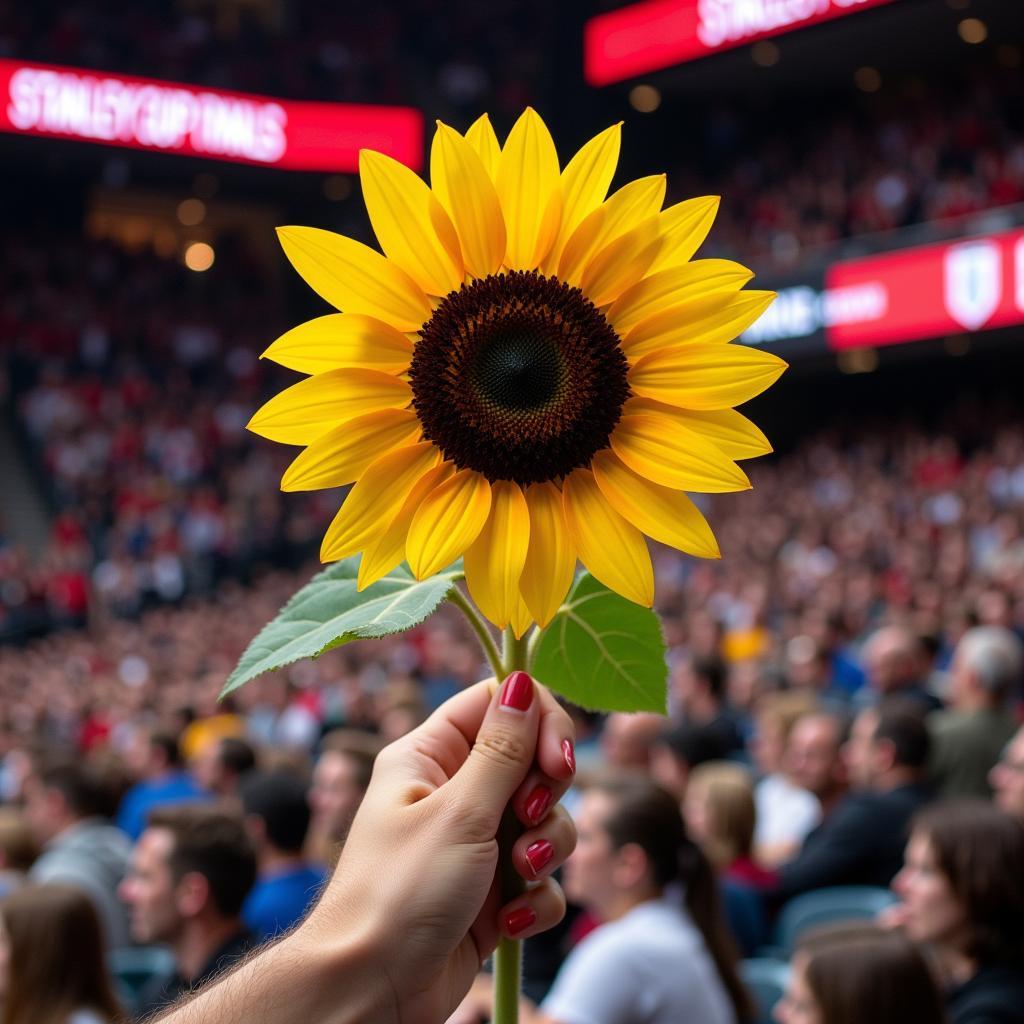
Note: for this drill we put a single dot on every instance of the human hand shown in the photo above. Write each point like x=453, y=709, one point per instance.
x=417, y=877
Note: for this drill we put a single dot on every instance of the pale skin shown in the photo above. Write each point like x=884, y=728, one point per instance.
x=414, y=907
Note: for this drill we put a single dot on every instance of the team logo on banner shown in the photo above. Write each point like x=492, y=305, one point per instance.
x=973, y=282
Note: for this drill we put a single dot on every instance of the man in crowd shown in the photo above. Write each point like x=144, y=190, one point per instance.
x=64, y=805
x=896, y=663
x=813, y=758
x=1007, y=777
x=156, y=762
x=219, y=766
x=277, y=819
x=627, y=740
x=861, y=841
x=190, y=872
x=340, y=778
x=968, y=738
x=698, y=690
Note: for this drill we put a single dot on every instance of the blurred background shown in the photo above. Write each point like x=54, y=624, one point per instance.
x=870, y=160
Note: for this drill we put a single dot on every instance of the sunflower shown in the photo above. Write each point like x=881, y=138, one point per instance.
x=530, y=374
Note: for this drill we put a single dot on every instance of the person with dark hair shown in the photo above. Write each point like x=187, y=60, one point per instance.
x=861, y=841
x=191, y=871
x=18, y=849
x=155, y=759
x=859, y=974
x=698, y=690
x=277, y=819
x=967, y=739
x=64, y=804
x=220, y=765
x=962, y=893
x=897, y=666
x=51, y=959
x=680, y=749
x=1007, y=777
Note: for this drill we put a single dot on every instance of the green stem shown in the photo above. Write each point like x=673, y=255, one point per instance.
x=483, y=632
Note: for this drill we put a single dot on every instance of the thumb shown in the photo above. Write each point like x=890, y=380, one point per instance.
x=501, y=756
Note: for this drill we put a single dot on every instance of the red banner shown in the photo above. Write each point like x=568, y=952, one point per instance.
x=166, y=117
x=659, y=33
x=931, y=291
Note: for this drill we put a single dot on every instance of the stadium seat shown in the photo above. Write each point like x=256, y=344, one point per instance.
x=825, y=906
x=765, y=978
x=132, y=969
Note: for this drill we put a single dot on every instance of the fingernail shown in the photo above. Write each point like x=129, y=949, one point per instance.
x=518, y=692
x=539, y=855
x=570, y=757
x=537, y=803
x=519, y=920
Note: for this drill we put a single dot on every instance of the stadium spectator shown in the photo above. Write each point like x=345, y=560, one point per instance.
x=895, y=661
x=51, y=959
x=628, y=739
x=219, y=767
x=340, y=779
x=18, y=849
x=962, y=892
x=1007, y=777
x=968, y=738
x=277, y=819
x=786, y=811
x=698, y=690
x=155, y=760
x=678, y=750
x=190, y=872
x=813, y=758
x=861, y=841
x=64, y=805
x=859, y=972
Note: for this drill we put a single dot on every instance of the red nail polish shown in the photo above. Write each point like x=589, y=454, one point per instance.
x=518, y=692
x=537, y=803
x=519, y=920
x=570, y=757
x=539, y=855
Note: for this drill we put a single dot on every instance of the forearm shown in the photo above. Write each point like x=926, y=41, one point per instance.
x=304, y=977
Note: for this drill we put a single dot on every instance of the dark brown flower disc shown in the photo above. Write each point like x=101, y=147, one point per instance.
x=519, y=377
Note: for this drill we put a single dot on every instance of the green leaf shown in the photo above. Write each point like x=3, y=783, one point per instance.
x=603, y=652
x=328, y=612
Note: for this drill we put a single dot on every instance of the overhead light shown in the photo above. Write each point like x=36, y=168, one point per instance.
x=199, y=256
x=644, y=98
x=191, y=212
x=867, y=79
x=765, y=54
x=973, y=30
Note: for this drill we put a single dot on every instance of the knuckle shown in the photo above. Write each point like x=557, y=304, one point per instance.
x=502, y=747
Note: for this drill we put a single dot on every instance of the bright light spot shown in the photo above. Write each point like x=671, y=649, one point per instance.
x=191, y=212
x=973, y=30
x=199, y=256
x=337, y=187
x=644, y=98
x=764, y=54
x=867, y=79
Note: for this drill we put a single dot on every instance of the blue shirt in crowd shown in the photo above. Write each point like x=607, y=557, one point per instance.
x=176, y=788
x=281, y=898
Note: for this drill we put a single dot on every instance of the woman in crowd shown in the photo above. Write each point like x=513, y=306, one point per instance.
x=853, y=974
x=962, y=893
x=51, y=959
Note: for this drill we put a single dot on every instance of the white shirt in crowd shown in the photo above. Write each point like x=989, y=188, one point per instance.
x=785, y=812
x=649, y=967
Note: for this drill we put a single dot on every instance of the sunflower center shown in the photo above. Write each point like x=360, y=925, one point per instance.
x=519, y=377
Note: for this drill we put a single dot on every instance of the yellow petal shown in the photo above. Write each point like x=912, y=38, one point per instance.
x=674, y=287
x=400, y=207
x=527, y=181
x=625, y=209
x=342, y=339
x=381, y=555
x=522, y=620
x=585, y=182
x=683, y=228
x=494, y=561
x=307, y=410
x=448, y=520
x=610, y=547
x=461, y=183
x=342, y=454
x=705, y=376
x=730, y=430
x=664, y=514
x=551, y=559
x=709, y=320
x=621, y=263
x=373, y=501
x=661, y=449
x=355, y=278
x=482, y=138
